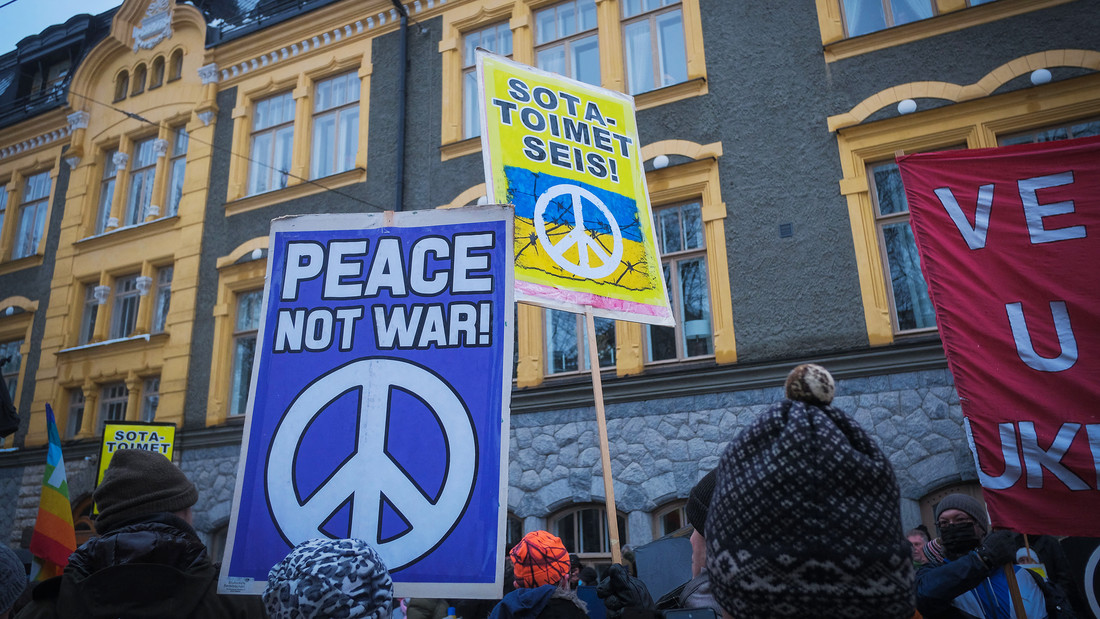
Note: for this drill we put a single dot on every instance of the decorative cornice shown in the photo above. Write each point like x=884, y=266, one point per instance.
x=155, y=26
x=120, y=160
x=208, y=73
x=35, y=142
x=337, y=34
x=78, y=120
x=160, y=147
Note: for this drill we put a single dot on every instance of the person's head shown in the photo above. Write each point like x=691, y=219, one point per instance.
x=697, y=505
x=575, y=566
x=13, y=579
x=918, y=539
x=961, y=523
x=589, y=576
x=805, y=519
x=539, y=559
x=324, y=578
x=141, y=483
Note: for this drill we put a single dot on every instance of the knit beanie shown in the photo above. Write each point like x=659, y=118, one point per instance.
x=805, y=518
x=539, y=559
x=329, y=578
x=13, y=578
x=138, y=483
x=963, y=503
x=699, y=501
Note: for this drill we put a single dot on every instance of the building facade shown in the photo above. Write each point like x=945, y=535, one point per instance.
x=180, y=131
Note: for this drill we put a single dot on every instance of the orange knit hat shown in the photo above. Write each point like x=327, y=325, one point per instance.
x=539, y=559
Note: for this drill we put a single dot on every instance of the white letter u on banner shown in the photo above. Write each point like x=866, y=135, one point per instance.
x=1026, y=350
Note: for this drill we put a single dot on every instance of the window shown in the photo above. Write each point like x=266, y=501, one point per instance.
x=122, y=85
x=514, y=532
x=566, y=41
x=106, y=191
x=3, y=207
x=567, y=342
x=176, y=65
x=912, y=307
x=32, y=215
x=1081, y=129
x=584, y=531
x=150, y=398
x=497, y=39
x=139, y=80
x=156, y=78
x=669, y=519
x=112, y=404
x=162, y=299
x=124, y=312
x=335, y=125
x=864, y=16
x=272, y=142
x=143, y=167
x=244, y=348
x=11, y=358
x=176, y=167
x=653, y=43
x=88, y=316
x=684, y=254
x=76, y=412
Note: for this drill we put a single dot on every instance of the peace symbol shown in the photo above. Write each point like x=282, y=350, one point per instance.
x=577, y=236
x=370, y=472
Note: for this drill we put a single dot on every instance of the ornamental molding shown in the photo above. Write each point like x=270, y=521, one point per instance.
x=209, y=73
x=78, y=120
x=35, y=142
x=120, y=160
x=155, y=26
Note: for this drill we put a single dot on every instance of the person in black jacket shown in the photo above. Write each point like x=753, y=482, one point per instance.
x=540, y=565
x=147, y=562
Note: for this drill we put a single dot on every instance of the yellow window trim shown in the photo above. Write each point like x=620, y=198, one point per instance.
x=293, y=192
x=976, y=123
x=232, y=279
x=951, y=15
x=15, y=186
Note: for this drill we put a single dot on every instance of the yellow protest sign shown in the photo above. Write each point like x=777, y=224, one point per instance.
x=157, y=437
x=566, y=155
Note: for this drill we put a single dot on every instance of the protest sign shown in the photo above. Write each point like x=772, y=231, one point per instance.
x=566, y=155
x=1009, y=240
x=150, y=436
x=379, y=398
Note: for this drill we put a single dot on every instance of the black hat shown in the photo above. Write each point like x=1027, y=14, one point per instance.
x=139, y=483
x=699, y=501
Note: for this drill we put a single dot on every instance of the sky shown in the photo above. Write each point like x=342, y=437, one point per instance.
x=22, y=18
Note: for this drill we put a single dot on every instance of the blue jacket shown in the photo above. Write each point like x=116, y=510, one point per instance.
x=968, y=589
x=534, y=603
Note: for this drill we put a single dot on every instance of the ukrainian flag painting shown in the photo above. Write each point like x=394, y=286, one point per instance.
x=566, y=155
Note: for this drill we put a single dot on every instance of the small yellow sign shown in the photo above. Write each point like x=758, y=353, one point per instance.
x=156, y=437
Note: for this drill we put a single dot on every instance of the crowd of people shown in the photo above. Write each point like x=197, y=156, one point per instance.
x=800, y=519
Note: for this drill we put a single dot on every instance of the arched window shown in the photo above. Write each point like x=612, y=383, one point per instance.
x=216, y=547
x=157, y=78
x=175, y=65
x=122, y=85
x=583, y=530
x=82, y=520
x=670, y=518
x=139, y=80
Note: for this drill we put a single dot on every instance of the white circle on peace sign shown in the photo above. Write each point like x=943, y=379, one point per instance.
x=369, y=472
x=577, y=236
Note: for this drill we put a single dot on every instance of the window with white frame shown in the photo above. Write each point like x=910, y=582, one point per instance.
x=865, y=16
x=584, y=531
x=143, y=167
x=335, y=125
x=106, y=191
x=177, y=165
x=32, y=215
x=112, y=403
x=88, y=316
x=653, y=44
x=497, y=39
x=150, y=398
x=567, y=341
x=162, y=299
x=670, y=518
x=76, y=412
x=566, y=41
x=244, y=349
x=12, y=358
x=124, y=310
x=272, y=143
x=681, y=237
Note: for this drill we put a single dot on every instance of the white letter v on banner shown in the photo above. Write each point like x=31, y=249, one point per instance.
x=973, y=235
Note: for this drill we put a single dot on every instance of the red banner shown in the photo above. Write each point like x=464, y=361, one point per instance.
x=1009, y=241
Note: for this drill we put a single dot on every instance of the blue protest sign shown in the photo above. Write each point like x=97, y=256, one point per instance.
x=379, y=398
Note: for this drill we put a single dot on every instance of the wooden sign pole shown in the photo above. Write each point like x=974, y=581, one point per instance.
x=605, y=451
x=1014, y=591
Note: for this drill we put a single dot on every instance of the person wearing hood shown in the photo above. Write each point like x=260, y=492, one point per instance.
x=147, y=562
x=541, y=566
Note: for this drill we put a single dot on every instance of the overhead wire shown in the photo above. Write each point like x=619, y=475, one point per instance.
x=140, y=118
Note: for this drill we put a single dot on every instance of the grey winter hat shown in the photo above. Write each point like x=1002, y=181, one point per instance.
x=963, y=503
x=13, y=578
x=325, y=578
x=805, y=518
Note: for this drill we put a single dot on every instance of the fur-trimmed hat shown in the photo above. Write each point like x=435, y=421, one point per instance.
x=805, y=518
x=329, y=578
x=139, y=483
x=539, y=559
x=963, y=503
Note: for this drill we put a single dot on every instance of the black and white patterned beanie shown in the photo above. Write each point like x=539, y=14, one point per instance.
x=805, y=518
x=325, y=578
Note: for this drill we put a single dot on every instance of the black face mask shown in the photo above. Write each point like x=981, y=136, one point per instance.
x=959, y=539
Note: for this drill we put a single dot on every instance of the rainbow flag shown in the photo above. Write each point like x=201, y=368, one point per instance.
x=54, y=537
